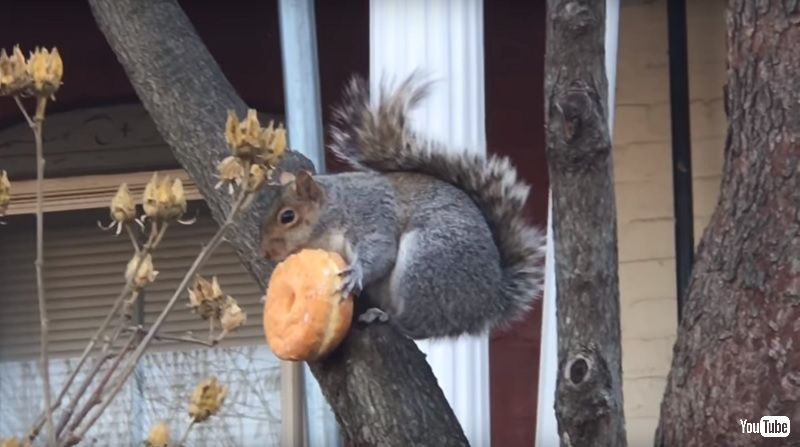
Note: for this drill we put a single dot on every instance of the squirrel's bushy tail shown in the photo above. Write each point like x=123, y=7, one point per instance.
x=377, y=137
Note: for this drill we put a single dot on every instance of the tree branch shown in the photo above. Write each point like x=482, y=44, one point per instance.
x=379, y=385
x=589, y=385
x=186, y=94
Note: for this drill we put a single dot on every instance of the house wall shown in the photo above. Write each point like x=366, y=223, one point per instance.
x=643, y=181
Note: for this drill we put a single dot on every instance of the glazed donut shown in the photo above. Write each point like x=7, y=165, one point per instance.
x=305, y=317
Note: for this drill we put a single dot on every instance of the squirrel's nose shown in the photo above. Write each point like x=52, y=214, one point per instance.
x=271, y=249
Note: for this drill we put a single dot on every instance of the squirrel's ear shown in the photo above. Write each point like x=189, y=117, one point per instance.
x=306, y=187
x=285, y=178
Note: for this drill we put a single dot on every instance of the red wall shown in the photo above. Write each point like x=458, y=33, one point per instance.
x=232, y=30
x=514, y=55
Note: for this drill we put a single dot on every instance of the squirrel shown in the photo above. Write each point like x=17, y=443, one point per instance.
x=435, y=241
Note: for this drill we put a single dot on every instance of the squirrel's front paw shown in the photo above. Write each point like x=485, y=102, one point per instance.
x=372, y=315
x=352, y=278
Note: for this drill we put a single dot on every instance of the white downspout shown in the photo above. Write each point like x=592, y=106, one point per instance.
x=306, y=417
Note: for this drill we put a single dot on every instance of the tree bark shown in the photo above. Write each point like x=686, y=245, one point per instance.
x=412, y=410
x=379, y=385
x=589, y=387
x=737, y=353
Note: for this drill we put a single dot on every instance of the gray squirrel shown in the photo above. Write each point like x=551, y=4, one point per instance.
x=435, y=240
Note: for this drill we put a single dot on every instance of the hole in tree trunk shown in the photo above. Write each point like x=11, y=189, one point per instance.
x=578, y=370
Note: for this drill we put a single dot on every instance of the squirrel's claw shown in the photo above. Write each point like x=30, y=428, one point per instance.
x=372, y=315
x=352, y=278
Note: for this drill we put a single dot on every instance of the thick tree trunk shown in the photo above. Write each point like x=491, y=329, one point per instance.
x=589, y=388
x=737, y=355
x=379, y=385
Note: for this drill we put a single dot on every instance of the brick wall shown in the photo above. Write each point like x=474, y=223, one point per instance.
x=643, y=180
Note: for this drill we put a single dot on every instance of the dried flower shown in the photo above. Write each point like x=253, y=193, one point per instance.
x=9, y=442
x=122, y=207
x=164, y=199
x=231, y=172
x=272, y=144
x=45, y=68
x=258, y=176
x=122, y=210
x=150, y=197
x=206, y=298
x=179, y=204
x=242, y=137
x=233, y=316
x=207, y=398
x=145, y=274
x=159, y=435
x=5, y=192
x=250, y=142
x=14, y=77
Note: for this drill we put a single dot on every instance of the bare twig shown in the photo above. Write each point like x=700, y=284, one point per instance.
x=109, y=341
x=78, y=433
x=24, y=111
x=150, y=245
x=181, y=338
x=37, y=125
x=96, y=396
x=87, y=381
x=210, y=329
x=185, y=434
x=132, y=237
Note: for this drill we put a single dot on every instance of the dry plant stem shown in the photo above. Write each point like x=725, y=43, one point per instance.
x=81, y=390
x=87, y=381
x=132, y=237
x=153, y=239
x=36, y=126
x=126, y=290
x=130, y=364
x=185, y=434
x=186, y=339
x=24, y=111
x=181, y=338
x=96, y=396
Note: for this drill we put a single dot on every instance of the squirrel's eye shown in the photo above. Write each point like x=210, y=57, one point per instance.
x=286, y=217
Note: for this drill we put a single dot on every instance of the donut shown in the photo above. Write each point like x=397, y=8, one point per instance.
x=305, y=317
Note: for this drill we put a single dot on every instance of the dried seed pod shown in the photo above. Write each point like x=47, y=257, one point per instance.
x=145, y=274
x=150, y=198
x=5, y=192
x=159, y=435
x=14, y=77
x=46, y=69
x=206, y=400
x=233, y=316
x=206, y=298
x=177, y=205
x=122, y=207
x=164, y=198
x=242, y=137
x=231, y=172
x=272, y=144
x=258, y=177
x=251, y=142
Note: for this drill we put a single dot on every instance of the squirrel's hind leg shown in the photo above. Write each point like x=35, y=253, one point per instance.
x=446, y=279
